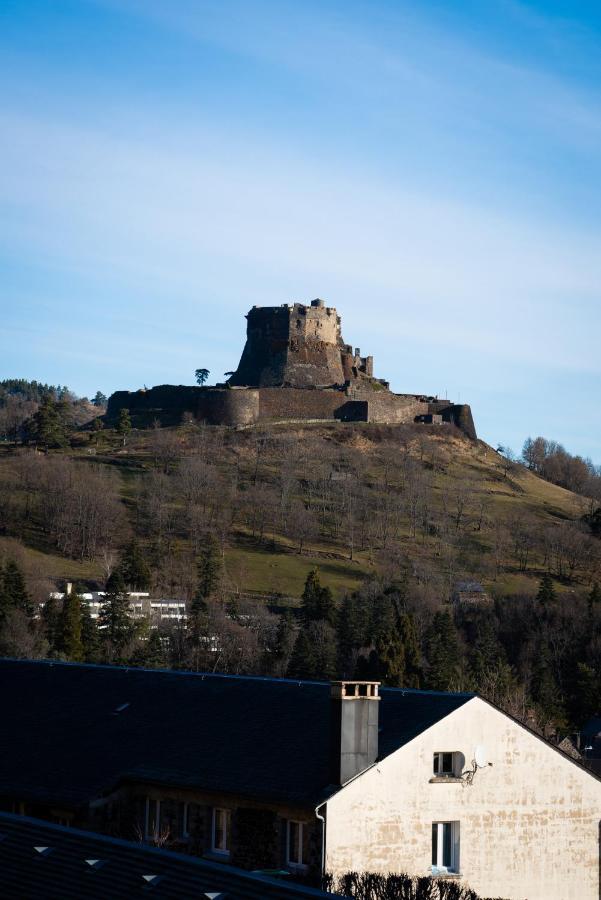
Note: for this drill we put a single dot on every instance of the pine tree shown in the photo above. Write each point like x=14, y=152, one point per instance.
x=150, y=653
x=277, y=657
x=545, y=690
x=594, y=598
x=114, y=619
x=587, y=692
x=314, y=654
x=351, y=628
x=546, y=590
x=134, y=568
x=486, y=653
x=51, y=615
x=413, y=661
x=443, y=653
x=49, y=424
x=317, y=601
x=90, y=636
x=13, y=591
x=124, y=424
x=209, y=575
x=70, y=641
x=390, y=654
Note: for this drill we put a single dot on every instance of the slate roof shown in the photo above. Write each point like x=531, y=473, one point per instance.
x=117, y=869
x=71, y=732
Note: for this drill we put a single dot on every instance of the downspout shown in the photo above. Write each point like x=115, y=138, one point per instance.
x=323, y=839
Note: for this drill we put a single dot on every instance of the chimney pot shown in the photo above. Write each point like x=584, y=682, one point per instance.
x=354, y=728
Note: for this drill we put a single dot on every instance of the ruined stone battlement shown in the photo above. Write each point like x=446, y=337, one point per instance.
x=295, y=365
x=298, y=346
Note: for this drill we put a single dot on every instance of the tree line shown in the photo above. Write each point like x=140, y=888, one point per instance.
x=538, y=657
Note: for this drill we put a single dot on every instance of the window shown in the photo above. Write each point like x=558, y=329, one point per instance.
x=448, y=765
x=220, y=842
x=152, y=822
x=445, y=846
x=294, y=845
x=184, y=820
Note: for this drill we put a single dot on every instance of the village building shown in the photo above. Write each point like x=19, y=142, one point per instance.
x=158, y=610
x=268, y=773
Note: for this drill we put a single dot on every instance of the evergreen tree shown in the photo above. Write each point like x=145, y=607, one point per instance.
x=545, y=690
x=124, y=424
x=594, y=598
x=49, y=424
x=114, y=619
x=314, y=654
x=90, y=636
x=13, y=590
x=317, y=601
x=443, y=652
x=150, y=653
x=390, y=654
x=69, y=626
x=546, y=591
x=587, y=694
x=351, y=629
x=134, y=568
x=413, y=657
x=277, y=657
x=99, y=399
x=51, y=617
x=209, y=575
x=486, y=652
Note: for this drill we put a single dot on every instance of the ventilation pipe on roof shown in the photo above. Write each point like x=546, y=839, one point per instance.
x=354, y=728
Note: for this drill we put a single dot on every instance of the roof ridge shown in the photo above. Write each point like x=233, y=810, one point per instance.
x=226, y=675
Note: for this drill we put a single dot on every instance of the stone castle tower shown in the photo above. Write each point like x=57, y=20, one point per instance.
x=298, y=346
x=294, y=366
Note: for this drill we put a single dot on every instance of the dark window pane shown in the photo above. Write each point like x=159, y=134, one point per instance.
x=447, y=848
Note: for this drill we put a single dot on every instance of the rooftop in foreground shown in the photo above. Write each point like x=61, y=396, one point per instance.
x=251, y=736
x=43, y=861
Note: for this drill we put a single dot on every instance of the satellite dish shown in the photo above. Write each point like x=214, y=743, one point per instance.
x=480, y=757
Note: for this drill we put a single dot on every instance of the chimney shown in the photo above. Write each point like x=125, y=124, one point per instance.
x=354, y=728
x=68, y=588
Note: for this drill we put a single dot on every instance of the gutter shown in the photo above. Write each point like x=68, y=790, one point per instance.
x=323, y=837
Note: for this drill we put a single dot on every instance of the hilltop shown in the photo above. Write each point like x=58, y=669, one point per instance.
x=357, y=501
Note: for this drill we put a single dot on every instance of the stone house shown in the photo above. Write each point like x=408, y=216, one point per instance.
x=307, y=776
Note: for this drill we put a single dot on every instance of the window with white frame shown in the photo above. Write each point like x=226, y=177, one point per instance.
x=445, y=846
x=220, y=842
x=152, y=819
x=295, y=855
x=447, y=765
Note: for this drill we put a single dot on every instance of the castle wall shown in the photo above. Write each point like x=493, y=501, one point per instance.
x=245, y=406
x=298, y=403
x=459, y=414
x=168, y=403
x=229, y=407
x=385, y=407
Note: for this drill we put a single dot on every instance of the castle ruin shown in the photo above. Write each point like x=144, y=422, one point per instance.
x=294, y=366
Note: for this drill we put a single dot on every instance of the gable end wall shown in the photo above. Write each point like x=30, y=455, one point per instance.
x=529, y=824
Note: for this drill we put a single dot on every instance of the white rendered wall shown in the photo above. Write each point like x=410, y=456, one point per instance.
x=529, y=825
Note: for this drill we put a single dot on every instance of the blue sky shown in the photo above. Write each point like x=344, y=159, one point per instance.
x=432, y=169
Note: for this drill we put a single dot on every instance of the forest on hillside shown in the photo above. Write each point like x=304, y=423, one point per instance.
x=412, y=511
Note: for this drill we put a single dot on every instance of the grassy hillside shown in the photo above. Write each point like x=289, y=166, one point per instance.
x=355, y=500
